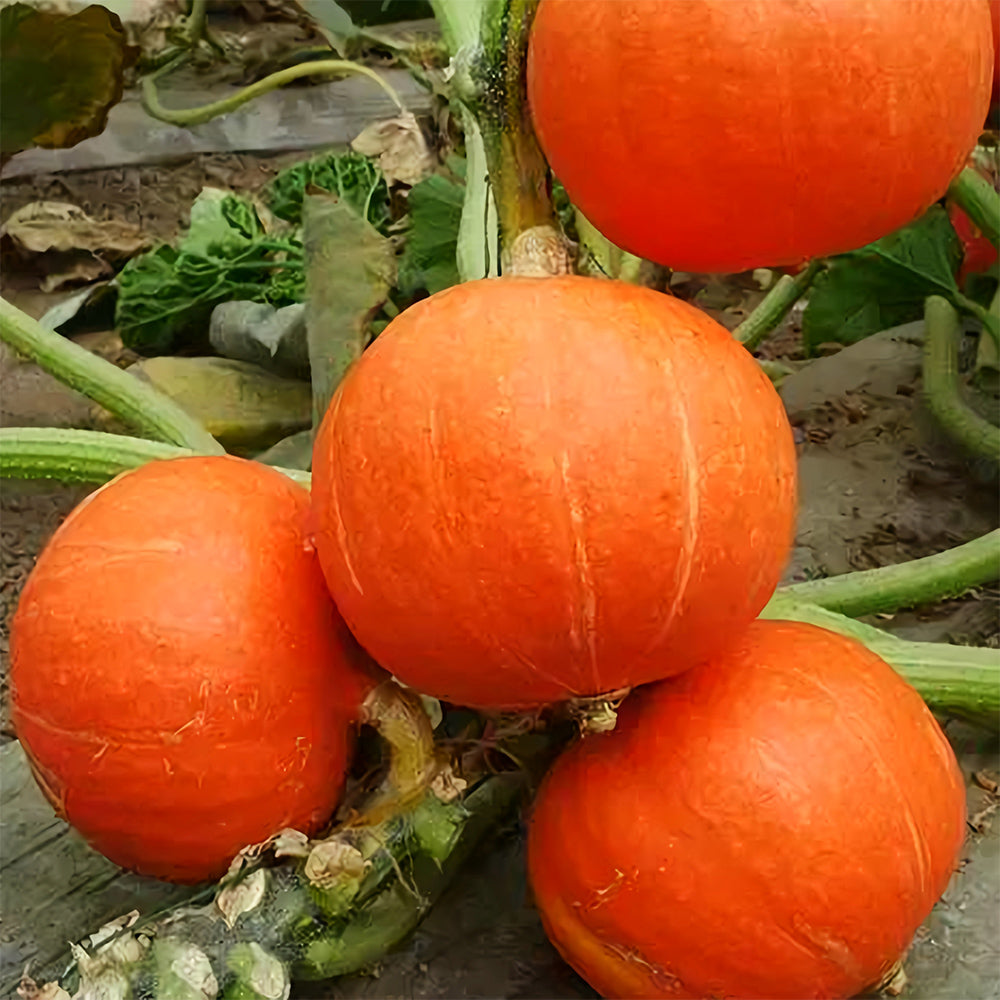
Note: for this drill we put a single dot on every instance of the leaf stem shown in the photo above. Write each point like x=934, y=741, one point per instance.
x=187, y=117
x=942, y=387
x=138, y=404
x=980, y=201
x=775, y=305
x=77, y=456
x=888, y=588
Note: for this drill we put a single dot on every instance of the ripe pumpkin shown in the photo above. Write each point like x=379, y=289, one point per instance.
x=530, y=489
x=182, y=684
x=720, y=135
x=773, y=824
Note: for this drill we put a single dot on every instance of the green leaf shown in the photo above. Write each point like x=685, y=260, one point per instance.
x=166, y=296
x=350, y=176
x=351, y=268
x=429, y=258
x=60, y=75
x=331, y=16
x=883, y=284
x=220, y=223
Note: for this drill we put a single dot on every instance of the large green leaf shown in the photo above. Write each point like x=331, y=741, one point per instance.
x=60, y=74
x=883, y=284
x=350, y=268
x=351, y=176
x=166, y=296
x=429, y=258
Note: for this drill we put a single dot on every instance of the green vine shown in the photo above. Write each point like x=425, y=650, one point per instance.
x=980, y=201
x=139, y=405
x=889, y=588
x=773, y=308
x=78, y=456
x=187, y=117
x=942, y=385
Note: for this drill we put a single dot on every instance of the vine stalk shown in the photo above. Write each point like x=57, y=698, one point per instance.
x=138, y=404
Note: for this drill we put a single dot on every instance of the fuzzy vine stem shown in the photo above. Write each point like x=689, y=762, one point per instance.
x=773, y=308
x=980, y=201
x=138, y=404
x=187, y=117
x=889, y=588
x=78, y=456
x=942, y=386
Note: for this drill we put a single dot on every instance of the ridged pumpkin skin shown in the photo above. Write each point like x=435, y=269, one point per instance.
x=529, y=489
x=720, y=135
x=182, y=683
x=774, y=824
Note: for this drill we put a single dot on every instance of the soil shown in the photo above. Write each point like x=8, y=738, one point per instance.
x=879, y=485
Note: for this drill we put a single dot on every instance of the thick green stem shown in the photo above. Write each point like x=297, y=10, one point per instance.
x=197, y=116
x=963, y=681
x=459, y=21
x=988, y=317
x=194, y=26
x=72, y=456
x=933, y=578
x=477, y=255
x=478, y=235
x=775, y=306
x=529, y=234
x=942, y=385
x=980, y=201
x=138, y=404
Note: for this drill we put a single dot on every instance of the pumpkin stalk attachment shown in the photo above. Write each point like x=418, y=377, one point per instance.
x=531, y=243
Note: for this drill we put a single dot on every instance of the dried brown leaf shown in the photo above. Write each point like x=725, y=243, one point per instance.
x=399, y=144
x=55, y=225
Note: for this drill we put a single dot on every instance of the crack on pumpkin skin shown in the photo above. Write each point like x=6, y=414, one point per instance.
x=335, y=503
x=691, y=470
x=583, y=624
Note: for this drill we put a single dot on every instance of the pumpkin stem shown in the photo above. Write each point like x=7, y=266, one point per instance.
x=598, y=714
x=415, y=763
x=531, y=242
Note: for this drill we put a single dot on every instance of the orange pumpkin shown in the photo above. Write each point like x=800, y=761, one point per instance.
x=529, y=489
x=182, y=684
x=775, y=823
x=720, y=135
